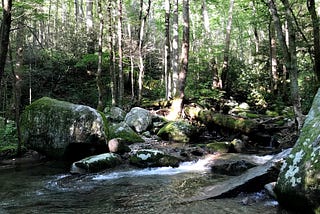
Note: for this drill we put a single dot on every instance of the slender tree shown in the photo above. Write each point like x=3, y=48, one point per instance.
x=167, y=58
x=4, y=34
x=142, y=19
x=225, y=66
x=120, y=53
x=175, y=48
x=289, y=52
x=100, y=84
x=316, y=37
x=273, y=57
x=90, y=30
x=112, y=59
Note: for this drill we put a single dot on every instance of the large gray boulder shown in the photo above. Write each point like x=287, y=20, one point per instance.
x=139, y=119
x=298, y=186
x=50, y=126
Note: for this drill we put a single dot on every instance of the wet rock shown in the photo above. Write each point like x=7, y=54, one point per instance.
x=95, y=163
x=298, y=186
x=237, y=145
x=231, y=168
x=252, y=180
x=270, y=189
x=139, y=119
x=153, y=158
x=50, y=126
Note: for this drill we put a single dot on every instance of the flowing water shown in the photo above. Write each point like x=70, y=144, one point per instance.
x=48, y=188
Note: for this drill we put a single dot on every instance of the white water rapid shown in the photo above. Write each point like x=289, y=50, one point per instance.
x=185, y=167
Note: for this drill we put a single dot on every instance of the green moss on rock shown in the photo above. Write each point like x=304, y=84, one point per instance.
x=126, y=133
x=49, y=126
x=178, y=131
x=298, y=186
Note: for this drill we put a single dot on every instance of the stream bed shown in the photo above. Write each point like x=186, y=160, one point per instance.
x=49, y=188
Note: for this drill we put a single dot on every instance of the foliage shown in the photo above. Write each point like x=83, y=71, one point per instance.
x=8, y=138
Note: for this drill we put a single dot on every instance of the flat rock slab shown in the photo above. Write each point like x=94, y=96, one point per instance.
x=253, y=179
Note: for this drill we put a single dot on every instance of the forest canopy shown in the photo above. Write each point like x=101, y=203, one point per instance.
x=125, y=53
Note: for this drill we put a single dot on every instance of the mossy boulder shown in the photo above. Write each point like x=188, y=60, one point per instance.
x=222, y=147
x=96, y=163
x=178, y=131
x=238, y=124
x=298, y=185
x=153, y=158
x=50, y=126
x=125, y=132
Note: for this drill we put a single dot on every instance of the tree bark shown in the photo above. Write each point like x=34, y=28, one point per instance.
x=100, y=84
x=177, y=104
x=316, y=37
x=225, y=66
x=273, y=58
x=167, y=60
x=112, y=60
x=175, y=50
x=120, y=61
x=4, y=34
x=90, y=32
x=142, y=19
x=289, y=53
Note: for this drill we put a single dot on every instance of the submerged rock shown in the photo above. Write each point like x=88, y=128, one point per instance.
x=298, y=186
x=153, y=158
x=50, y=126
x=95, y=163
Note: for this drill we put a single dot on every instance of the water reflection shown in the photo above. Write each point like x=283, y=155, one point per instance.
x=48, y=189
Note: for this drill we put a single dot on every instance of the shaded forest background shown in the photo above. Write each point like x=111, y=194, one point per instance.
x=124, y=52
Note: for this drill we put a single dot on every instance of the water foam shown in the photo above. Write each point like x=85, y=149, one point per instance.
x=185, y=167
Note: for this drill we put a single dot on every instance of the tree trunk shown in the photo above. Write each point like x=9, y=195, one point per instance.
x=142, y=19
x=289, y=54
x=177, y=104
x=273, y=58
x=175, y=50
x=120, y=62
x=167, y=60
x=90, y=32
x=205, y=17
x=225, y=66
x=131, y=63
x=316, y=37
x=4, y=34
x=112, y=60
x=100, y=83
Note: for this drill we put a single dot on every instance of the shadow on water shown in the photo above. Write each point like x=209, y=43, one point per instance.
x=49, y=189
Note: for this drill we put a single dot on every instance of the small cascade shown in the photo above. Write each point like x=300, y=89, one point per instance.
x=185, y=167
